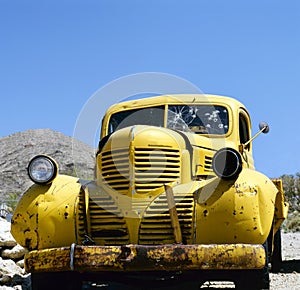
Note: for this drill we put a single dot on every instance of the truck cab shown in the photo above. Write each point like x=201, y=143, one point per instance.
x=176, y=200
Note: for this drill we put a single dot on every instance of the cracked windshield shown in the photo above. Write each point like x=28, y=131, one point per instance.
x=200, y=119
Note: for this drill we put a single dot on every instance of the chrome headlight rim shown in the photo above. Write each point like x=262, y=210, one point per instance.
x=42, y=169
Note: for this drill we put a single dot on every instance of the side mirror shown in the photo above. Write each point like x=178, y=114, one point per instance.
x=264, y=127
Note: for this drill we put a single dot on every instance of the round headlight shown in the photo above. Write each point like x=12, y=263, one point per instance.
x=227, y=163
x=42, y=169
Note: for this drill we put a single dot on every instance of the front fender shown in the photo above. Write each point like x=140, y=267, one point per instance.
x=239, y=211
x=45, y=214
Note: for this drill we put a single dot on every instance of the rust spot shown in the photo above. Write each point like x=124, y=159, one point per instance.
x=124, y=255
x=30, y=215
x=27, y=243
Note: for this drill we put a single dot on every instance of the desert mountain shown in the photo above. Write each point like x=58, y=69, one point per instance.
x=18, y=149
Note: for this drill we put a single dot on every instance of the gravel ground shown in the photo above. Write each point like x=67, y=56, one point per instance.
x=289, y=277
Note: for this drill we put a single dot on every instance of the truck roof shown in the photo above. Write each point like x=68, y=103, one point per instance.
x=175, y=99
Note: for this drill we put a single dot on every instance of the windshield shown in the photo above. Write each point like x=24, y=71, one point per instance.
x=153, y=116
x=199, y=119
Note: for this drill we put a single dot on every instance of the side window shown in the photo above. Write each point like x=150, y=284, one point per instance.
x=244, y=129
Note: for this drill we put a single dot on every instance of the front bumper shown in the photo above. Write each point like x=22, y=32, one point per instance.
x=132, y=258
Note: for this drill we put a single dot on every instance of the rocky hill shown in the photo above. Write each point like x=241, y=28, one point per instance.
x=17, y=150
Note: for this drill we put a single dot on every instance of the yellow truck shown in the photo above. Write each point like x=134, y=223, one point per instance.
x=176, y=201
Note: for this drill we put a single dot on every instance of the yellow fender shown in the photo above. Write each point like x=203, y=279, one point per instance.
x=236, y=211
x=45, y=216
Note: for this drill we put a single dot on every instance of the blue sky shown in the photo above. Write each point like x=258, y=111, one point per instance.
x=56, y=54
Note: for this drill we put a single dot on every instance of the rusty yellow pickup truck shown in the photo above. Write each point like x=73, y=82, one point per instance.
x=176, y=201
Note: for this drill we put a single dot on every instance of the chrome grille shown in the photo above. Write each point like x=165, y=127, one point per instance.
x=156, y=226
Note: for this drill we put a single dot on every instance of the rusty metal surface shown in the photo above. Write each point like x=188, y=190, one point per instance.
x=173, y=214
x=147, y=258
x=281, y=205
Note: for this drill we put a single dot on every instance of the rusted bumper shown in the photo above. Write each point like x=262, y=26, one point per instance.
x=147, y=258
